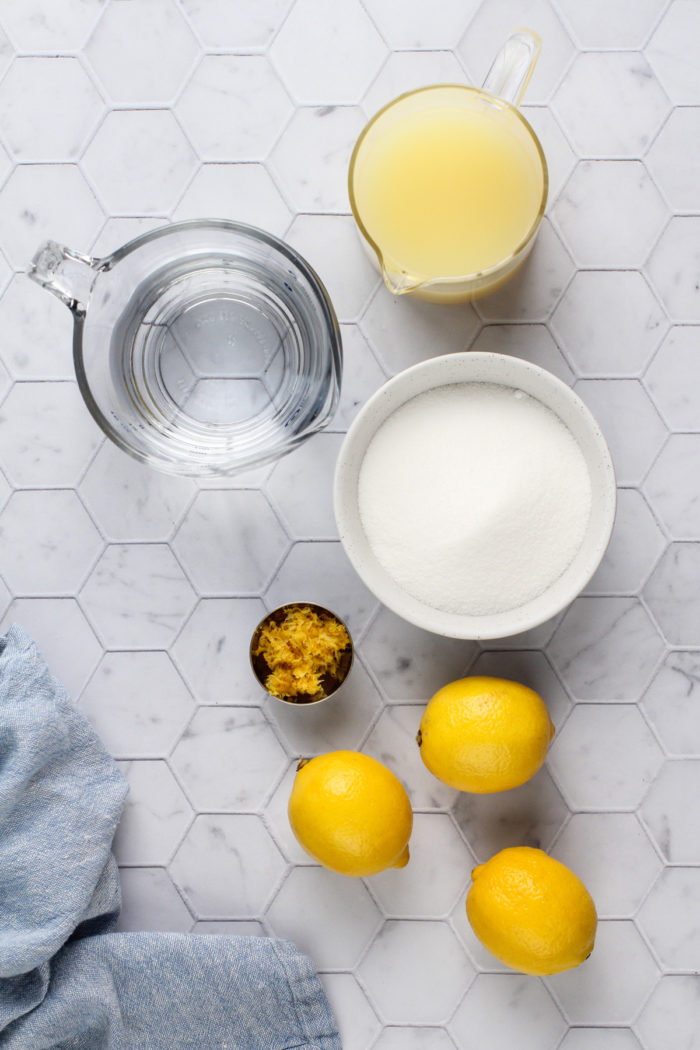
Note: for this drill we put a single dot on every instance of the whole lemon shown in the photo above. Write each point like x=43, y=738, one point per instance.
x=350, y=813
x=531, y=911
x=484, y=734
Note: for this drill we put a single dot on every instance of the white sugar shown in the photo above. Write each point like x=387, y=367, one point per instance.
x=474, y=497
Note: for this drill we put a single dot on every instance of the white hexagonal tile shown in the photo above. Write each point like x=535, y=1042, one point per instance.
x=409, y=663
x=138, y=704
x=393, y=742
x=531, y=668
x=407, y=70
x=622, y=407
x=227, y=866
x=536, y=638
x=329, y=917
x=151, y=902
x=403, y=331
x=439, y=860
x=341, y=56
x=63, y=635
x=532, y=342
x=301, y=487
x=6, y=48
x=248, y=24
x=139, y=161
x=530, y=815
x=233, y=927
x=611, y=23
x=228, y=759
x=129, y=501
x=536, y=288
x=635, y=546
x=674, y=158
x=356, y=1020
x=230, y=542
x=513, y=1009
x=665, y=918
x=48, y=106
x=37, y=332
x=610, y=213
x=605, y=757
x=244, y=192
x=670, y=378
x=277, y=819
x=155, y=815
x=361, y=378
x=310, y=161
x=597, y=128
x=609, y=323
x=52, y=539
x=671, y=52
x=599, y=1039
x=331, y=244
x=671, y=703
x=671, y=595
x=667, y=490
x=320, y=572
x=5, y=490
x=610, y=986
x=672, y=821
x=672, y=266
x=122, y=51
x=614, y=857
x=477, y=952
x=606, y=648
x=212, y=650
x=121, y=229
x=41, y=201
x=340, y=723
x=65, y=25
x=561, y=159
x=671, y=1016
x=395, y=1038
x=257, y=107
x=493, y=23
x=421, y=27
x=49, y=435
x=137, y=596
x=416, y=972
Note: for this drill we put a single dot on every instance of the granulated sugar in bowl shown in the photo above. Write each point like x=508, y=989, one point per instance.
x=475, y=495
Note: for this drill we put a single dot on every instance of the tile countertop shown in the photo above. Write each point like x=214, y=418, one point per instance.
x=143, y=590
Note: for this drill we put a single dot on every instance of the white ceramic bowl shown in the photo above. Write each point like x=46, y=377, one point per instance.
x=485, y=368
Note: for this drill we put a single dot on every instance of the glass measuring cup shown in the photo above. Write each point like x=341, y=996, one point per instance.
x=204, y=347
x=448, y=183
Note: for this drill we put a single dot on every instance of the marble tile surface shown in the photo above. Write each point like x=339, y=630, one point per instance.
x=143, y=590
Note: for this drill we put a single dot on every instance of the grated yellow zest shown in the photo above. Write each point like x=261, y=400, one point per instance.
x=299, y=651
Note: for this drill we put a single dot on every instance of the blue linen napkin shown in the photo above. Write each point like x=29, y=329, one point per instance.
x=66, y=981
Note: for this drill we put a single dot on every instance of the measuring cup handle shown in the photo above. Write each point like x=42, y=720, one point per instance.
x=513, y=66
x=70, y=275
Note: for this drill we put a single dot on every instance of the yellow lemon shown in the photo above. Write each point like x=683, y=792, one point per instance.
x=484, y=734
x=531, y=911
x=350, y=813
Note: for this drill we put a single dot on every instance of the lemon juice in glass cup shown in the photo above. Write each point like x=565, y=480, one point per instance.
x=448, y=184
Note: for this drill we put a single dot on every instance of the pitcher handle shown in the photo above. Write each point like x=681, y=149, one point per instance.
x=513, y=66
x=70, y=275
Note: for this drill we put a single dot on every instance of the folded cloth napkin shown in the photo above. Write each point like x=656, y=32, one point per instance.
x=66, y=981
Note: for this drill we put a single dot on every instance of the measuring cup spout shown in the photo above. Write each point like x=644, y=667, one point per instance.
x=398, y=281
x=513, y=66
x=68, y=274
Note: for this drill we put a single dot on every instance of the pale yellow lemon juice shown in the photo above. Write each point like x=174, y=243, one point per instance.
x=448, y=183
